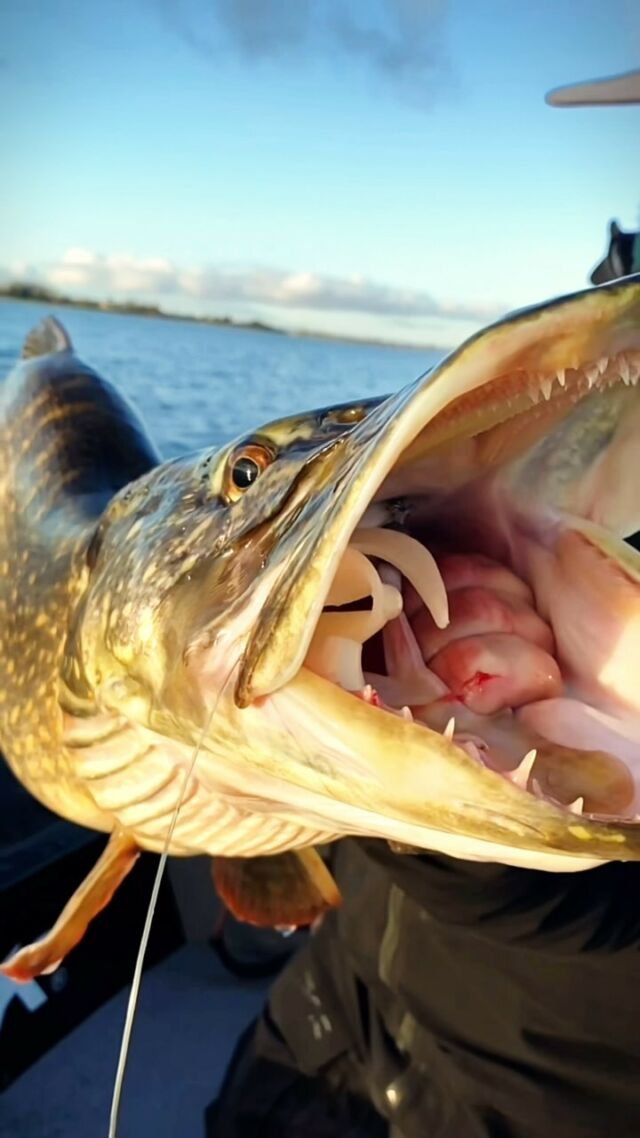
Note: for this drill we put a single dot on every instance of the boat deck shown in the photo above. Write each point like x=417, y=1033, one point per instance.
x=190, y=1014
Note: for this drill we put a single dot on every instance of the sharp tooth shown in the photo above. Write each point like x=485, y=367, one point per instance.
x=603, y=364
x=561, y=376
x=407, y=714
x=414, y=561
x=577, y=806
x=623, y=368
x=536, y=788
x=633, y=363
x=546, y=384
x=367, y=693
x=449, y=729
x=521, y=774
x=592, y=373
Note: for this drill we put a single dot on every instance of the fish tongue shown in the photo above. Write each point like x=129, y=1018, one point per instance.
x=405, y=667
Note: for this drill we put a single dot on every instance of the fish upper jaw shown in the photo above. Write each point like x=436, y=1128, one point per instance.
x=394, y=448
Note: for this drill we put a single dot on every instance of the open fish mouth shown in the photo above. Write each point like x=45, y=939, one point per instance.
x=462, y=583
x=422, y=624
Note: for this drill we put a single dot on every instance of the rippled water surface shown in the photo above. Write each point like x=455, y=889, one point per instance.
x=198, y=385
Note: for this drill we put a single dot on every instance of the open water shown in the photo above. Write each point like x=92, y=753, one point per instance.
x=199, y=385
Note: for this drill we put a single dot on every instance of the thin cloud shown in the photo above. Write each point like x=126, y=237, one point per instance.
x=83, y=271
x=407, y=47
x=400, y=41
x=262, y=28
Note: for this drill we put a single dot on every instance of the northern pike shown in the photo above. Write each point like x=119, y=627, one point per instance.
x=259, y=605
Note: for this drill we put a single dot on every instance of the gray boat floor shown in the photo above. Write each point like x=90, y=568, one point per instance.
x=190, y=1014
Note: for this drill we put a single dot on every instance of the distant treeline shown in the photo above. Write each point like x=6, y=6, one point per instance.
x=23, y=290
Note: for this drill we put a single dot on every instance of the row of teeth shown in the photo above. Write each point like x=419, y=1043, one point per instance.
x=626, y=368
x=519, y=777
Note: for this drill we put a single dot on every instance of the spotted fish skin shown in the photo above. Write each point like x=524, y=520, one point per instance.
x=115, y=567
x=111, y=564
x=68, y=441
x=151, y=615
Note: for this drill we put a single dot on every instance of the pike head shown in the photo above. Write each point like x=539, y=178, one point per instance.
x=252, y=601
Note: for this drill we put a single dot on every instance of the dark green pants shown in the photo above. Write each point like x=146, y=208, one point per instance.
x=451, y=1000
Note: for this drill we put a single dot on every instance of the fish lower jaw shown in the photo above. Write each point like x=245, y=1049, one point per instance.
x=523, y=776
x=377, y=774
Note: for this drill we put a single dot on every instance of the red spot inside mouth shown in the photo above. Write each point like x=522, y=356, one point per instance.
x=475, y=684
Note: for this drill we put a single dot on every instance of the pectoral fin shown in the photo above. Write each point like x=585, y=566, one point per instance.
x=285, y=889
x=97, y=889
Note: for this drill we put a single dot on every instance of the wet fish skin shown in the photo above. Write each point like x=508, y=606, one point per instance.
x=97, y=539
x=87, y=508
x=297, y=522
x=146, y=610
x=55, y=414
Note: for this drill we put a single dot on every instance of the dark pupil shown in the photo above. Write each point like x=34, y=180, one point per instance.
x=245, y=471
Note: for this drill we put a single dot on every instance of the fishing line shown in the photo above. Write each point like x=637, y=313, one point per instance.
x=146, y=932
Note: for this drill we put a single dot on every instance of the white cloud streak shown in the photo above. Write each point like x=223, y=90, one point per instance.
x=86, y=272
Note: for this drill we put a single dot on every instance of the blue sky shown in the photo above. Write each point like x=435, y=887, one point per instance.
x=381, y=168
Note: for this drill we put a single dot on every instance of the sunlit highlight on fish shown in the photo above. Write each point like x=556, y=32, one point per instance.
x=415, y=618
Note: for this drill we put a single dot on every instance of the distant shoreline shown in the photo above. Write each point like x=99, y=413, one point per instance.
x=41, y=295
x=38, y=294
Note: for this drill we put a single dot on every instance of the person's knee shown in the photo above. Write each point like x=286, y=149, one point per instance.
x=264, y=1095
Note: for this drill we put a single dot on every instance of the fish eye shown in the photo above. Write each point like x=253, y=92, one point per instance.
x=245, y=466
x=245, y=471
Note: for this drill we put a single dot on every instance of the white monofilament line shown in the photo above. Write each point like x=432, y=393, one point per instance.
x=144, y=940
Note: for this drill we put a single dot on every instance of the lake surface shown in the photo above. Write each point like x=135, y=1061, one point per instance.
x=198, y=385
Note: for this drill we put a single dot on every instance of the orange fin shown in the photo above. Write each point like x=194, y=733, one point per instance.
x=97, y=889
x=284, y=889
